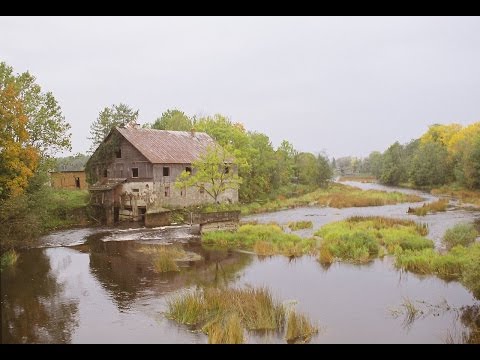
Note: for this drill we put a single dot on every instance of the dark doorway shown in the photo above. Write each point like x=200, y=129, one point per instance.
x=77, y=182
x=116, y=214
x=142, y=213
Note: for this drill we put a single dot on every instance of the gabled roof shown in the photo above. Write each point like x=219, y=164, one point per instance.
x=170, y=147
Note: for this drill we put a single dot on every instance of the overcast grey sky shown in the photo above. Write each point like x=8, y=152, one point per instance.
x=346, y=86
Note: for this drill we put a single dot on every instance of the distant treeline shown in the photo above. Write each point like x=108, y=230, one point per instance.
x=445, y=154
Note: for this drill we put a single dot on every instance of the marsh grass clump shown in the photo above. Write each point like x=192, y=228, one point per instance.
x=299, y=225
x=433, y=207
x=299, y=328
x=218, y=311
x=412, y=313
x=224, y=314
x=164, y=257
x=460, y=234
x=360, y=239
x=225, y=330
x=264, y=239
x=9, y=258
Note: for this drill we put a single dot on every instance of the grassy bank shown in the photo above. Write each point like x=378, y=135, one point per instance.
x=359, y=178
x=360, y=239
x=30, y=215
x=225, y=314
x=459, y=263
x=337, y=196
x=262, y=239
x=433, y=207
x=464, y=195
x=65, y=208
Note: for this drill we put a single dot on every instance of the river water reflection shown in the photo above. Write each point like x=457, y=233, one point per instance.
x=97, y=288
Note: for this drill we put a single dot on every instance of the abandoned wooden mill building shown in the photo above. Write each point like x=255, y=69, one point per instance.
x=134, y=171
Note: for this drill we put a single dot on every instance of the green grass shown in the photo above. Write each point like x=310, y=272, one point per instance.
x=460, y=234
x=433, y=207
x=9, y=258
x=64, y=208
x=263, y=239
x=299, y=225
x=360, y=239
x=459, y=263
x=299, y=328
x=336, y=195
x=223, y=314
x=165, y=257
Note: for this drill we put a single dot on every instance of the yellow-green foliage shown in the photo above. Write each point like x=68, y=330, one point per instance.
x=460, y=234
x=299, y=225
x=336, y=195
x=359, y=239
x=164, y=257
x=433, y=207
x=263, y=239
x=299, y=328
x=8, y=258
x=461, y=263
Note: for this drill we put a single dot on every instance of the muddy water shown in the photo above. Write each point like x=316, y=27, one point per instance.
x=93, y=286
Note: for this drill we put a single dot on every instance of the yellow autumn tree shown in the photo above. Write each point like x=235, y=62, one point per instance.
x=18, y=159
x=441, y=134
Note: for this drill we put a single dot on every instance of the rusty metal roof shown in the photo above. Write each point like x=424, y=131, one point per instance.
x=168, y=147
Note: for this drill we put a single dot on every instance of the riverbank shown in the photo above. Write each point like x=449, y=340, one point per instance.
x=27, y=217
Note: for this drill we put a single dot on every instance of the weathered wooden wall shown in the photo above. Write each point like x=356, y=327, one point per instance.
x=67, y=180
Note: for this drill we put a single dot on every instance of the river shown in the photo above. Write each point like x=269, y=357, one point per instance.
x=92, y=286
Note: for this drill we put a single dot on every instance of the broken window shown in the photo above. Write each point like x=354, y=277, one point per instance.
x=167, y=190
x=135, y=172
x=226, y=170
x=166, y=171
x=118, y=153
x=188, y=169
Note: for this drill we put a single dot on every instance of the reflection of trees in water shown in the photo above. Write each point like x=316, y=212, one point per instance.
x=125, y=272
x=34, y=306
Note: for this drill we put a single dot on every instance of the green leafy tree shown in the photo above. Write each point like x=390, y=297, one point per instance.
x=393, y=170
x=430, y=165
x=173, y=120
x=307, y=168
x=110, y=117
x=257, y=178
x=286, y=172
x=471, y=164
x=375, y=163
x=214, y=172
x=325, y=171
x=48, y=132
